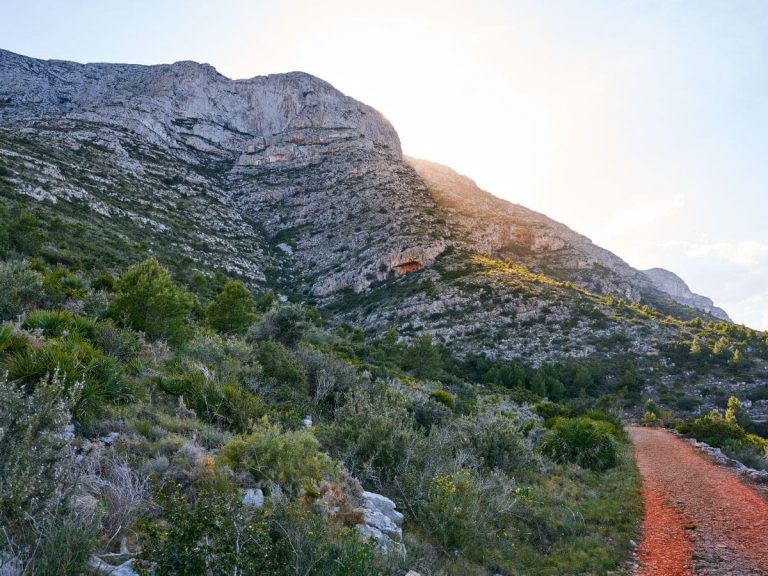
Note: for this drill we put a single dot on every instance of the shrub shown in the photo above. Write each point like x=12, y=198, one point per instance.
x=122, y=343
x=290, y=459
x=328, y=378
x=12, y=340
x=372, y=433
x=423, y=357
x=55, y=323
x=467, y=513
x=498, y=442
x=713, y=429
x=224, y=354
x=551, y=410
x=583, y=441
x=233, y=309
x=103, y=283
x=20, y=289
x=285, y=324
x=148, y=300
x=649, y=419
x=429, y=414
x=288, y=379
x=60, y=283
x=324, y=548
x=210, y=532
x=226, y=402
x=101, y=377
x=25, y=234
x=443, y=397
x=39, y=480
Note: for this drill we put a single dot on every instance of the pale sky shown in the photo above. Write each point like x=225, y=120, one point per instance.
x=642, y=124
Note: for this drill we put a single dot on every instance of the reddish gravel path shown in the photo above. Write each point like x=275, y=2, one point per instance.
x=699, y=517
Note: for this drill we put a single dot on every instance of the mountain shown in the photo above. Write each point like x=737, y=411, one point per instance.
x=670, y=283
x=287, y=183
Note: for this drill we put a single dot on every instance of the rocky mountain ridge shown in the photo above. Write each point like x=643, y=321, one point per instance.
x=286, y=182
x=672, y=284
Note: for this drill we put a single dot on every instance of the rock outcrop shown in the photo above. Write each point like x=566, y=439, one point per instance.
x=381, y=521
x=289, y=184
x=671, y=284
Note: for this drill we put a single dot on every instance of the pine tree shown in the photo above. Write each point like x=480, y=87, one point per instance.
x=149, y=300
x=233, y=309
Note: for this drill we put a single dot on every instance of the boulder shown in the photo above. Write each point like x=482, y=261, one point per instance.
x=384, y=505
x=253, y=498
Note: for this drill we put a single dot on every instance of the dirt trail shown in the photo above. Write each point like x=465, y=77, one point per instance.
x=699, y=517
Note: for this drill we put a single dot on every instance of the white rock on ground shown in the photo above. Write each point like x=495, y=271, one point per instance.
x=253, y=497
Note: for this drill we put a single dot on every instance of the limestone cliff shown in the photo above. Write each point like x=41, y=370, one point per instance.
x=288, y=183
x=672, y=284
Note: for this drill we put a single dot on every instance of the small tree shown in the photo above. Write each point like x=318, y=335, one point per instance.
x=233, y=310
x=150, y=301
x=737, y=413
x=423, y=357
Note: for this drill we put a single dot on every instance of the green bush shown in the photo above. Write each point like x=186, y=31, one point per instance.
x=428, y=414
x=148, y=300
x=288, y=381
x=423, y=357
x=324, y=548
x=121, y=343
x=60, y=283
x=443, y=397
x=210, y=532
x=467, y=513
x=12, y=340
x=39, y=480
x=25, y=234
x=101, y=377
x=20, y=289
x=55, y=323
x=498, y=442
x=372, y=433
x=713, y=429
x=551, y=410
x=328, y=378
x=226, y=402
x=103, y=283
x=290, y=459
x=589, y=443
x=233, y=309
x=285, y=324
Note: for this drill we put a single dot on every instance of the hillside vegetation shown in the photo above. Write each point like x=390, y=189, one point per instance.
x=138, y=409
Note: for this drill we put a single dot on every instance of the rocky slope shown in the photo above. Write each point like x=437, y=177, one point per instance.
x=287, y=182
x=672, y=284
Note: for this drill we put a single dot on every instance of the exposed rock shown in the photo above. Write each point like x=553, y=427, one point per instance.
x=283, y=177
x=101, y=568
x=672, y=284
x=757, y=476
x=110, y=438
x=381, y=521
x=253, y=498
x=382, y=504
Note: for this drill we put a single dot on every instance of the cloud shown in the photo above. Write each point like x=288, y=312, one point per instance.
x=638, y=216
x=743, y=253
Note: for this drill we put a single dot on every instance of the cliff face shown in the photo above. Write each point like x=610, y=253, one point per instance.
x=282, y=117
x=288, y=183
x=670, y=283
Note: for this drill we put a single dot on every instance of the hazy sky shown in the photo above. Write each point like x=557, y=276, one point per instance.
x=642, y=124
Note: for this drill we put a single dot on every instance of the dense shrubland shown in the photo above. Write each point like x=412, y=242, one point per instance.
x=138, y=406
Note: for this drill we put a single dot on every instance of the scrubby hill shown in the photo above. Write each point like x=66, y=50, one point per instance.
x=232, y=306
x=287, y=183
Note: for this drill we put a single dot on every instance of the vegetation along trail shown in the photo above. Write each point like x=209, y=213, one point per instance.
x=699, y=517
